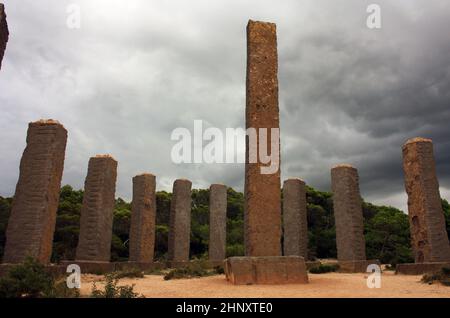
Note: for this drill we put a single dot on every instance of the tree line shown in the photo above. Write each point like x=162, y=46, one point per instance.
x=386, y=229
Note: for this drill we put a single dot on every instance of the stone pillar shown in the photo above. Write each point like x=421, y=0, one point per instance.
x=262, y=191
x=426, y=217
x=143, y=219
x=348, y=215
x=97, y=212
x=295, y=218
x=180, y=221
x=33, y=215
x=4, y=33
x=217, y=222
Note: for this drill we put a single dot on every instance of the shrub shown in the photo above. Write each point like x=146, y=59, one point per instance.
x=324, y=268
x=197, y=268
x=31, y=280
x=112, y=290
x=129, y=273
x=443, y=276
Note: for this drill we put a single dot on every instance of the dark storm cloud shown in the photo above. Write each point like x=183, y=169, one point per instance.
x=138, y=69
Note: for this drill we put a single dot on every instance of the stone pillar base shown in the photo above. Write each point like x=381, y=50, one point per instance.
x=266, y=270
x=355, y=266
x=92, y=267
x=420, y=268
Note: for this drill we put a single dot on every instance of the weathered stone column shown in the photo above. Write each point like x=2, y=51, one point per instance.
x=4, y=33
x=295, y=218
x=262, y=191
x=97, y=212
x=143, y=219
x=217, y=222
x=180, y=221
x=348, y=215
x=426, y=217
x=33, y=215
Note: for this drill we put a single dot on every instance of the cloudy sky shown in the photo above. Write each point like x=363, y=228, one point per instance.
x=138, y=69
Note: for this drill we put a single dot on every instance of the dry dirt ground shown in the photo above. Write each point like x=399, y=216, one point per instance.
x=321, y=285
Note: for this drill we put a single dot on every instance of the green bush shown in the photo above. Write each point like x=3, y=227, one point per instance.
x=129, y=273
x=324, y=268
x=197, y=268
x=112, y=290
x=31, y=280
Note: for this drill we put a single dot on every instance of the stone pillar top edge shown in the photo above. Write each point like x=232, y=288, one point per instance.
x=183, y=180
x=417, y=140
x=295, y=179
x=261, y=23
x=144, y=174
x=46, y=122
x=217, y=185
x=105, y=156
x=343, y=166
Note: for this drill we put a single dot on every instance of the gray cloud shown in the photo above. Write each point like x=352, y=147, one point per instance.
x=138, y=69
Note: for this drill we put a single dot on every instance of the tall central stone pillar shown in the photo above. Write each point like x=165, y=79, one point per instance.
x=33, y=215
x=262, y=191
x=4, y=33
x=97, y=212
x=263, y=263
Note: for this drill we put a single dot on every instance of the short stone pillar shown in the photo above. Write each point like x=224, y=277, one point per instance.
x=348, y=214
x=4, y=33
x=97, y=212
x=426, y=217
x=262, y=191
x=32, y=221
x=217, y=222
x=143, y=219
x=180, y=222
x=295, y=218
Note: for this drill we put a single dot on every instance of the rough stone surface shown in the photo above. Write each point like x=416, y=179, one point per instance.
x=96, y=221
x=427, y=223
x=4, y=33
x=266, y=270
x=356, y=266
x=33, y=214
x=143, y=218
x=295, y=219
x=217, y=222
x=262, y=191
x=348, y=214
x=180, y=221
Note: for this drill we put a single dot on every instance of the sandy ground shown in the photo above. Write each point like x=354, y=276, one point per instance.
x=328, y=285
